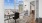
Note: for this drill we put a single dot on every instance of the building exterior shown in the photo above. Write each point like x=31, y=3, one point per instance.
x=20, y=7
x=8, y=11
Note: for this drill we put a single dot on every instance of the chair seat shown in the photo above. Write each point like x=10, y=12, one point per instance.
x=14, y=18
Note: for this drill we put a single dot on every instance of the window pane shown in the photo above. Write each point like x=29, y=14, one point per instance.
x=9, y=3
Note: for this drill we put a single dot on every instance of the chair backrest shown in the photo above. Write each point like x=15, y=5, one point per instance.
x=16, y=15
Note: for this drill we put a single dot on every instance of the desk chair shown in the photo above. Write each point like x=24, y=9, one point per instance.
x=16, y=16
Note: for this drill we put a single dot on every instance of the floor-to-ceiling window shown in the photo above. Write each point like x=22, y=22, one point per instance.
x=9, y=7
x=8, y=10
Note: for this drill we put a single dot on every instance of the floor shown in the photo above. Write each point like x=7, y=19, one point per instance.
x=26, y=19
x=13, y=21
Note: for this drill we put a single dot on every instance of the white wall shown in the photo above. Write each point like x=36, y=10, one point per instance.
x=32, y=0
x=1, y=12
x=40, y=8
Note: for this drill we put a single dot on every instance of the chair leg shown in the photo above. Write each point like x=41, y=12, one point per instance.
x=15, y=20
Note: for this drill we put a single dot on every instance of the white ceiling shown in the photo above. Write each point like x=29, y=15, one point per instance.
x=32, y=0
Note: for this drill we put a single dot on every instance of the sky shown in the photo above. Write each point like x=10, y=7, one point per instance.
x=9, y=4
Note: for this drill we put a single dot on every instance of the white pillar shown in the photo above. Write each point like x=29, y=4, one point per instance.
x=1, y=11
x=37, y=9
x=40, y=8
x=27, y=7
